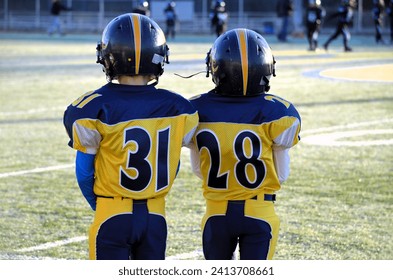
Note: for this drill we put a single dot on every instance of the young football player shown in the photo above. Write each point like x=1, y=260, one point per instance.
x=389, y=12
x=240, y=148
x=377, y=13
x=345, y=19
x=128, y=136
x=314, y=15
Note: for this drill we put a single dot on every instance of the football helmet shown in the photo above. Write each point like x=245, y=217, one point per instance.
x=132, y=44
x=241, y=63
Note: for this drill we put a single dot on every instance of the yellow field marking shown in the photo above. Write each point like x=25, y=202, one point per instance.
x=372, y=73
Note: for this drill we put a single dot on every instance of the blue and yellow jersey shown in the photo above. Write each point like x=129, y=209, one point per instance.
x=136, y=133
x=235, y=139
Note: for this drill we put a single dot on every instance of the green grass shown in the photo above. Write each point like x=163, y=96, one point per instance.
x=336, y=204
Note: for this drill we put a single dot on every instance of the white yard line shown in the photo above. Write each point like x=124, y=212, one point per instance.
x=336, y=135
x=337, y=139
x=49, y=245
x=36, y=170
x=183, y=256
x=32, y=111
x=344, y=126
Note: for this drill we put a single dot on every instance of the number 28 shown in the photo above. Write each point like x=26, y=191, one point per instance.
x=245, y=162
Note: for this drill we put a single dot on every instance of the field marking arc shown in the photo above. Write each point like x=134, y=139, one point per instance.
x=324, y=73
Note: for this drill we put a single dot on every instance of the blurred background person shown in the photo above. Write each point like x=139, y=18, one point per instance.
x=345, y=19
x=170, y=19
x=219, y=17
x=56, y=23
x=142, y=8
x=377, y=13
x=284, y=11
x=314, y=15
x=389, y=12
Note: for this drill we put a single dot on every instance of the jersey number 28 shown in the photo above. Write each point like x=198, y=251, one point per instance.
x=245, y=162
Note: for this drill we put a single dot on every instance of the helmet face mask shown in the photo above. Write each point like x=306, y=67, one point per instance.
x=132, y=44
x=241, y=63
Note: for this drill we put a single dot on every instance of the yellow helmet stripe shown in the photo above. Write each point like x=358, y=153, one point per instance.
x=136, y=27
x=242, y=40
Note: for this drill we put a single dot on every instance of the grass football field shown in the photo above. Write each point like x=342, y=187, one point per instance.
x=336, y=205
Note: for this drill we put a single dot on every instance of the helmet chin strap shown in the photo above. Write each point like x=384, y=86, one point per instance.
x=192, y=75
x=207, y=60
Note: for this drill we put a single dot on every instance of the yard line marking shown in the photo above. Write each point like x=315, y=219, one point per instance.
x=32, y=111
x=183, y=256
x=36, y=170
x=332, y=136
x=352, y=125
x=24, y=257
x=334, y=139
x=49, y=245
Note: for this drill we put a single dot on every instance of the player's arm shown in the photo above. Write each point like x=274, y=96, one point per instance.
x=281, y=163
x=195, y=160
x=281, y=146
x=190, y=128
x=187, y=139
x=84, y=170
